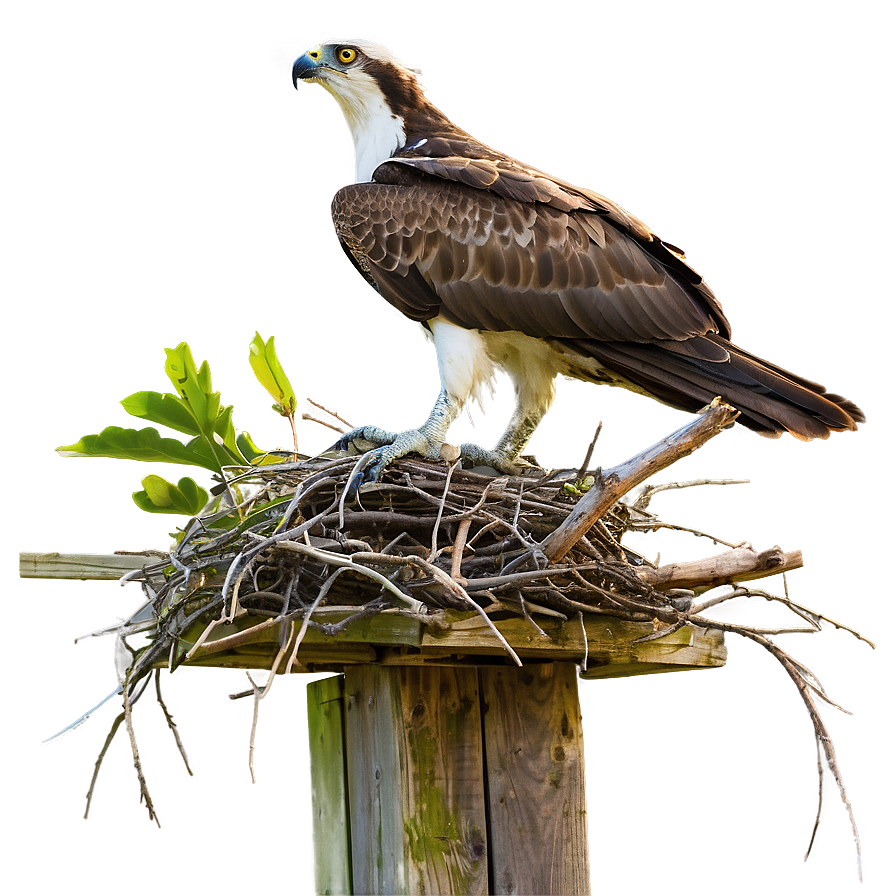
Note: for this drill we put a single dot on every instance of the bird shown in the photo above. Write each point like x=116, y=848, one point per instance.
x=509, y=268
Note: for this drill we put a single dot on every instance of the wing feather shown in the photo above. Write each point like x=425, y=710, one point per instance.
x=490, y=262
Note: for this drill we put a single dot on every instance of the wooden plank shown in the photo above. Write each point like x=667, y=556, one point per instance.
x=384, y=628
x=416, y=794
x=309, y=659
x=610, y=643
x=54, y=565
x=329, y=794
x=535, y=768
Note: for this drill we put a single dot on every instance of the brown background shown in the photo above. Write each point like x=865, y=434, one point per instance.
x=162, y=180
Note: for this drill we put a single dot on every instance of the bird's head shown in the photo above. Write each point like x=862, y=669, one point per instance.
x=364, y=78
x=381, y=98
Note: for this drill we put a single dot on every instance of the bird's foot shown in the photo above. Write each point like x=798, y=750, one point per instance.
x=388, y=447
x=496, y=459
x=373, y=435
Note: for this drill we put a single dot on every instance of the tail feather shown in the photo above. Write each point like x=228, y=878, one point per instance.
x=690, y=374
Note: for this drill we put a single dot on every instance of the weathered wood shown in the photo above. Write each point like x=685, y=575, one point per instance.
x=535, y=766
x=610, y=643
x=619, y=480
x=329, y=793
x=459, y=638
x=383, y=628
x=54, y=565
x=417, y=806
x=738, y=565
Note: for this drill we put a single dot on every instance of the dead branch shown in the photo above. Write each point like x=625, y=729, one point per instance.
x=619, y=480
x=738, y=565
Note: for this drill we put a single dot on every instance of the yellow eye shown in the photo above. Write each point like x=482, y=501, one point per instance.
x=347, y=55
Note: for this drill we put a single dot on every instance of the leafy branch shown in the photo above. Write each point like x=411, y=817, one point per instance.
x=194, y=409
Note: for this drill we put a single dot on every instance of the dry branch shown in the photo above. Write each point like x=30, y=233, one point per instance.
x=620, y=480
x=739, y=565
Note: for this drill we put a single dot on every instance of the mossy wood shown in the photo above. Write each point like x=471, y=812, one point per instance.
x=457, y=780
x=329, y=793
x=393, y=638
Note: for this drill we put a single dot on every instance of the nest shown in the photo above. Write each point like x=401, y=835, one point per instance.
x=429, y=539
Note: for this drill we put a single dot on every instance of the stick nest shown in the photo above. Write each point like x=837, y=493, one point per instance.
x=294, y=537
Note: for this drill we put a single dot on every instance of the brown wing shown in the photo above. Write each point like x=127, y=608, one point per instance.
x=486, y=261
x=465, y=160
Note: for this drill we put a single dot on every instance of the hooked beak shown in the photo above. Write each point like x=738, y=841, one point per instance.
x=305, y=67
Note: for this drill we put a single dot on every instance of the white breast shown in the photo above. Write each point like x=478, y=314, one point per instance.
x=376, y=131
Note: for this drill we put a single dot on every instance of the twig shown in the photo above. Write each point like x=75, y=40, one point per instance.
x=822, y=737
x=655, y=525
x=460, y=539
x=256, y=693
x=333, y=414
x=584, y=664
x=99, y=759
x=313, y=419
x=435, y=529
x=144, y=791
x=171, y=723
x=650, y=490
x=355, y=566
x=82, y=718
x=581, y=473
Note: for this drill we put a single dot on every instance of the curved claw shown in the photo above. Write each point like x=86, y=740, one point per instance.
x=343, y=442
x=354, y=484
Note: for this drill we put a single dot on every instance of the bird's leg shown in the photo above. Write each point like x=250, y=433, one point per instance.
x=534, y=386
x=426, y=441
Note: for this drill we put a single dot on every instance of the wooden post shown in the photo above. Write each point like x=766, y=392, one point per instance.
x=535, y=765
x=416, y=800
x=329, y=798
x=459, y=780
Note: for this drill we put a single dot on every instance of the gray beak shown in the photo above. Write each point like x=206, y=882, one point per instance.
x=304, y=67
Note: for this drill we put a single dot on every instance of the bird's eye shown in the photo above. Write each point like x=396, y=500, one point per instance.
x=347, y=55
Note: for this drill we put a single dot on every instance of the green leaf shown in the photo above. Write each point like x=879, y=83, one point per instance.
x=269, y=372
x=224, y=428
x=164, y=408
x=249, y=449
x=160, y=496
x=193, y=386
x=141, y=444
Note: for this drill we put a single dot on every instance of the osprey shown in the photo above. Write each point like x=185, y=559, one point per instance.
x=508, y=267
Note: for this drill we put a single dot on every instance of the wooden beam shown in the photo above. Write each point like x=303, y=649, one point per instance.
x=414, y=758
x=329, y=793
x=611, y=646
x=54, y=565
x=535, y=767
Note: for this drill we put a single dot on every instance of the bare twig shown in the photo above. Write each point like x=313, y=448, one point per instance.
x=460, y=540
x=171, y=723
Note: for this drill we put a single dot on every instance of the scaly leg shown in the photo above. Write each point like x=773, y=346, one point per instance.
x=533, y=380
x=426, y=441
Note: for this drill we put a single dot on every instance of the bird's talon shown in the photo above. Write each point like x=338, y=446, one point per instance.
x=354, y=485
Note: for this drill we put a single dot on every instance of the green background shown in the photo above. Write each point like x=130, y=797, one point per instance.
x=162, y=181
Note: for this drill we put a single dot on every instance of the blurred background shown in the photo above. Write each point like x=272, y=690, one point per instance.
x=164, y=182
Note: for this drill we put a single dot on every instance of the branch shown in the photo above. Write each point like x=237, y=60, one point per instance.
x=621, y=479
x=739, y=565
